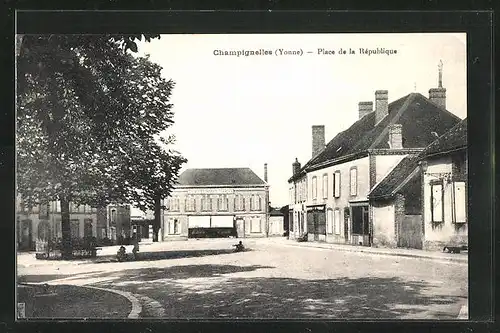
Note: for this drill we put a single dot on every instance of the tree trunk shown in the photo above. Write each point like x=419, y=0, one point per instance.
x=157, y=222
x=67, y=249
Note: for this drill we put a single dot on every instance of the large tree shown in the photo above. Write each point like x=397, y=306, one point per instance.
x=85, y=108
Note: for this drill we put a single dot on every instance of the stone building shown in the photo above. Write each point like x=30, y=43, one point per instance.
x=217, y=203
x=331, y=196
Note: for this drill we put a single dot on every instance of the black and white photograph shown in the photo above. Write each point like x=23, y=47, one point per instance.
x=242, y=176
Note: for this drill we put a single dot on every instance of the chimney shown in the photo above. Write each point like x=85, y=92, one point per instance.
x=365, y=108
x=396, y=136
x=318, y=139
x=438, y=95
x=381, y=105
x=265, y=172
x=296, y=167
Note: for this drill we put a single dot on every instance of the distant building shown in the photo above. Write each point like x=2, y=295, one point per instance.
x=217, y=203
x=38, y=224
x=276, y=223
x=352, y=189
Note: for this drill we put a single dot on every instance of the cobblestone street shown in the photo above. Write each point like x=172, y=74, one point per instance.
x=204, y=279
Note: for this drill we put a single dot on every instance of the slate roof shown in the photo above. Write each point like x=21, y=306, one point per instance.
x=275, y=212
x=387, y=187
x=418, y=116
x=219, y=176
x=454, y=139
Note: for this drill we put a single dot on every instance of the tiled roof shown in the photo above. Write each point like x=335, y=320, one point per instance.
x=454, y=139
x=387, y=187
x=418, y=116
x=275, y=212
x=220, y=176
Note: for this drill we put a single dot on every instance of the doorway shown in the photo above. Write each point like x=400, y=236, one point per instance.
x=361, y=225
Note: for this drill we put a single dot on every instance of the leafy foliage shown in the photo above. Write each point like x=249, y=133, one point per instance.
x=89, y=115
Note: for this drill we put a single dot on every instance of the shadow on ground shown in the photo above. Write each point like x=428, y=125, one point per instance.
x=219, y=296
x=161, y=255
x=70, y=302
x=178, y=272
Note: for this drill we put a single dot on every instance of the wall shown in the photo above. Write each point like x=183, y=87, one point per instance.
x=298, y=198
x=363, y=187
x=384, y=164
x=384, y=224
x=447, y=232
x=276, y=225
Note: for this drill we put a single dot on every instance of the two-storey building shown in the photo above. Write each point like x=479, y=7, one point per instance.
x=444, y=189
x=39, y=223
x=333, y=187
x=217, y=203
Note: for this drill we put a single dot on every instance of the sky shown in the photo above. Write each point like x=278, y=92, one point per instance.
x=245, y=111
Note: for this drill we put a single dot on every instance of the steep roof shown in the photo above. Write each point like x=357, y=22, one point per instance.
x=418, y=116
x=275, y=212
x=454, y=139
x=219, y=176
x=396, y=178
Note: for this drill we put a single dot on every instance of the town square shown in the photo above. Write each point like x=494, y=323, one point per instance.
x=194, y=177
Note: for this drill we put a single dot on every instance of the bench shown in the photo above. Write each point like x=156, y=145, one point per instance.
x=455, y=248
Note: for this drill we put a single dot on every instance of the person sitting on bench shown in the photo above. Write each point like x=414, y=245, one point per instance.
x=239, y=247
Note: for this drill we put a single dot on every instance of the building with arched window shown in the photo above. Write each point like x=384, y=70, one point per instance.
x=217, y=203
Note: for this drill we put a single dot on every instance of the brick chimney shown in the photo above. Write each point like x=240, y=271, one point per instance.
x=396, y=136
x=318, y=139
x=381, y=105
x=265, y=172
x=364, y=108
x=296, y=167
x=438, y=95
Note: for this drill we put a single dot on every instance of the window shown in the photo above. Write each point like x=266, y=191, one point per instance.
x=255, y=225
x=113, y=216
x=459, y=202
x=437, y=207
x=174, y=204
x=336, y=184
x=239, y=203
x=354, y=181
x=75, y=228
x=329, y=221
x=44, y=211
x=314, y=188
x=173, y=227
x=256, y=202
x=44, y=231
x=324, y=188
x=57, y=227
x=58, y=206
x=190, y=203
x=222, y=202
x=206, y=203
x=87, y=228
x=336, y=219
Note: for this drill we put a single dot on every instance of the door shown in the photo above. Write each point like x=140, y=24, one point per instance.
x=240, y=228
x=25, y=232
x=360, y=225
x=316, y=226
x=87, y=228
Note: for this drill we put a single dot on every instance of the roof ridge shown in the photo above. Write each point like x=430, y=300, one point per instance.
x=439, y=106
x=409, y=98
x=442, y=137
x=388, y=173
